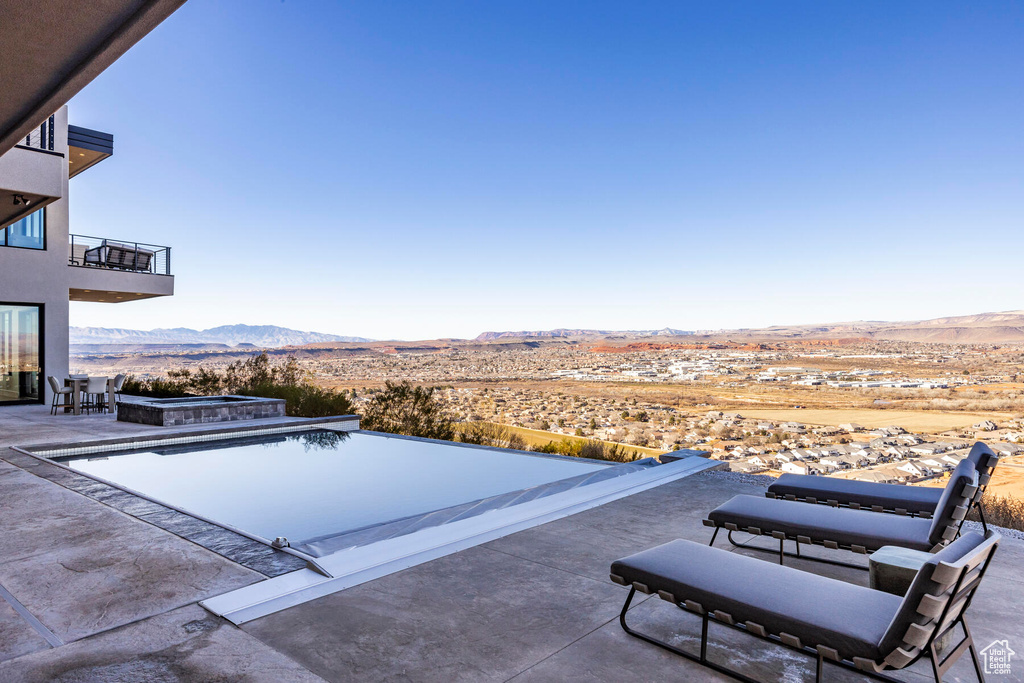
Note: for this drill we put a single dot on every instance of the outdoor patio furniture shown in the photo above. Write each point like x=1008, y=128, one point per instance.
x=893, y=569
x=830, y=620
x=118, y=384
x=95, y=393
x=59, y=392
x=118, y=255
x=894, y=498
x=861, y=531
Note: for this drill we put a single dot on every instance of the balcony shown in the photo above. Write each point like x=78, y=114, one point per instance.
x=112, y=271
x=30, y=175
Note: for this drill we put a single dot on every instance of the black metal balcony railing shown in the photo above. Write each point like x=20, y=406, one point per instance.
x=135, y=257
x=41, y=138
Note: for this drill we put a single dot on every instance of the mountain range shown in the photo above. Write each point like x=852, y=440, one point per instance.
x=562, y=333
x=981, y=328
x=231, y=335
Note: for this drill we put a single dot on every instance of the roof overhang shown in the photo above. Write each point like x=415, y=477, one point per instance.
x=49, y=52
x=86, y=148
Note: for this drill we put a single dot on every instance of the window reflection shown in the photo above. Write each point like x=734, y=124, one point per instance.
x=28, y=233
x=20, y=343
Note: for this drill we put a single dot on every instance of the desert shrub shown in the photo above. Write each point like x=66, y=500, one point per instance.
x=490, y=434
x=591, y=448
x=155, y=388
x=254, y=376
x=303, y=400
x=1001, y=511
x=401, y=408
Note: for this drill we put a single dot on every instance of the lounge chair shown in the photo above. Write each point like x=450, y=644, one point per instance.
x=861, y=531
x=852, y=626
x=896, y=498
x=112, y=254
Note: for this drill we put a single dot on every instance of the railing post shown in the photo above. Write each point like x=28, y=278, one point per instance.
x=167, y=267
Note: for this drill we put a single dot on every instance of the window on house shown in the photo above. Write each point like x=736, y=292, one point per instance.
x=21, y=343
x=28, y=233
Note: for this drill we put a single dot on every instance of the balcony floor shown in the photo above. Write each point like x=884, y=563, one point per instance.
x=533, y=606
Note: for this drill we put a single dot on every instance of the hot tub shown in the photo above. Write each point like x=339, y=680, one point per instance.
x=167, y=412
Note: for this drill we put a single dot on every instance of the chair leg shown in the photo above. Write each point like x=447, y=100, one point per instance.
x=971, y=648
x=935, y=667
x=981, y=514
x=704, y=639
x=818, y=670
x=714, y=535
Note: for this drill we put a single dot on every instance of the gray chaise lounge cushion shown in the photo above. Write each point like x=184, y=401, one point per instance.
x=869, y=530
x=820, y=523
x=871, y=628
x=817, y=610
x=913, y=499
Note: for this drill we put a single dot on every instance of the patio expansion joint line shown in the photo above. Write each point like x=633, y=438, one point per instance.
x=48, y=635
x=542, y=564
x=570, y=644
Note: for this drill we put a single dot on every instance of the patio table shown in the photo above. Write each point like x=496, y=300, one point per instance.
x=77, y=385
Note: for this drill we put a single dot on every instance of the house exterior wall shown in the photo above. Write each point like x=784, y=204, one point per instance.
x=43, y=276
x=39, y=276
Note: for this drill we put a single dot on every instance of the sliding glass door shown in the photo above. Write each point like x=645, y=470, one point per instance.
x=21, y=353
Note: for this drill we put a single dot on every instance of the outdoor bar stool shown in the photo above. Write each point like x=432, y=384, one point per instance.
x=95, y=392
x=57, y=392
x=118, y=384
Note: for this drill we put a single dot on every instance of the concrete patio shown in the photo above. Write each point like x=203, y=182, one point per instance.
x=119, y=594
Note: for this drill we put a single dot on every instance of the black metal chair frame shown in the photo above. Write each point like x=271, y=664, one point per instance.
x=91, y=403
x=54, y=405
x=783, y=553
x=831, y=545
x=940, y=663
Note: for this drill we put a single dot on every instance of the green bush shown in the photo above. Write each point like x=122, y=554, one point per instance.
x=401, y=408
x=591, y=448
x=491, y=434
x=254, y=376
x=155, y=388
x=303, y=400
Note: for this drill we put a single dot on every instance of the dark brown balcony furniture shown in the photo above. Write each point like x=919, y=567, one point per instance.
x=120, y=256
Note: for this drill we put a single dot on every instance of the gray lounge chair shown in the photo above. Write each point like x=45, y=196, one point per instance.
x=851, y=626
x=897, y=498
x=861, y=531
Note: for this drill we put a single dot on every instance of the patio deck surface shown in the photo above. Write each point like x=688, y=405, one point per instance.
x=118, y=596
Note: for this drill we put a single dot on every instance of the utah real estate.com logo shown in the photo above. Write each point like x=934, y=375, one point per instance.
x=997, y=657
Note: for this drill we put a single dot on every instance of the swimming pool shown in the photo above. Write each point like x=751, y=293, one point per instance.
x=355, y=505
x=315, y=485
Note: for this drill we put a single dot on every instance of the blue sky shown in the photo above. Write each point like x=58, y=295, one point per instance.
x=437, y=169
